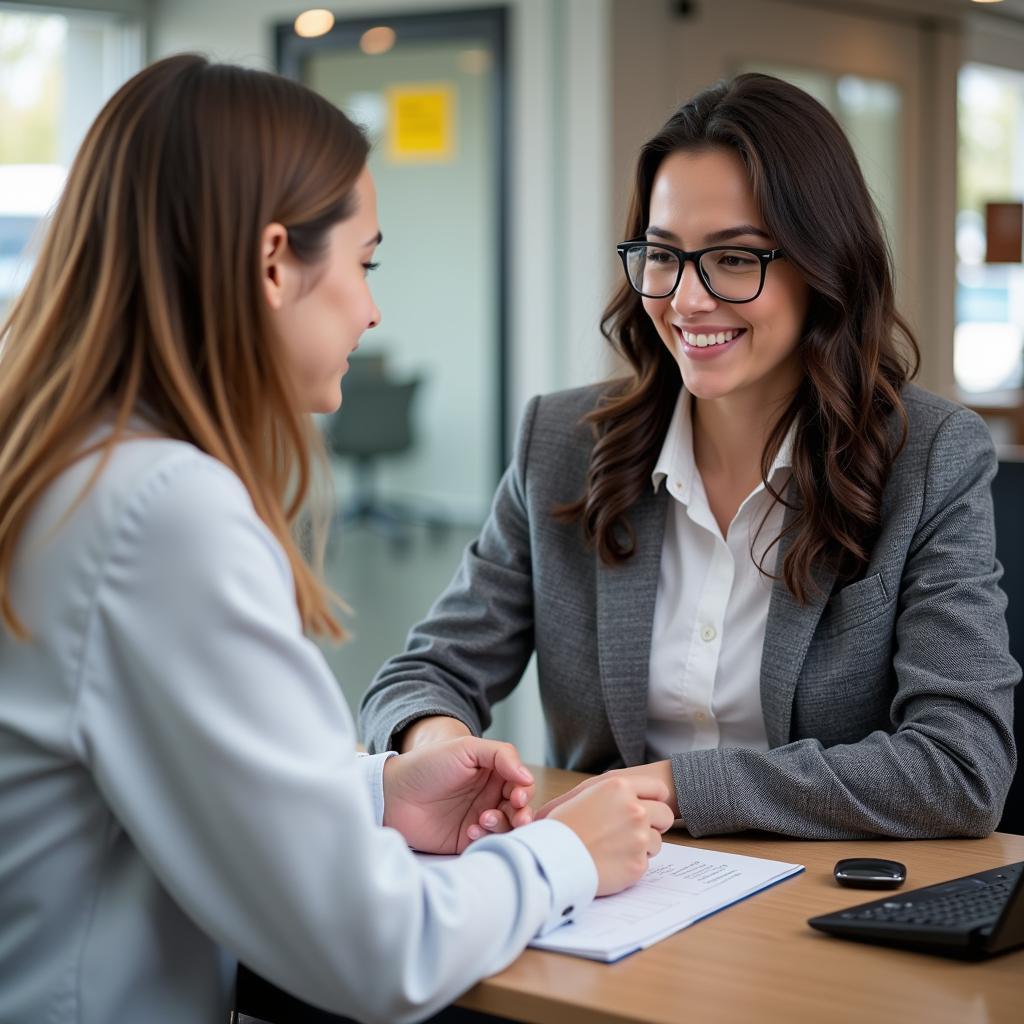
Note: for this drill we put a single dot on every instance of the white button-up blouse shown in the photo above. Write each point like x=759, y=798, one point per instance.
x=712, y=606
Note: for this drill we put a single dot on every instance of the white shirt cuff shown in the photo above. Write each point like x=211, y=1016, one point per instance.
x=564, y=862
x=373, y=772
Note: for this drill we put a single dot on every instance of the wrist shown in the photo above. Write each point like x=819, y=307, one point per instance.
x=670, y=780
x=664, y=772
x=431, y=729
x=386, y=770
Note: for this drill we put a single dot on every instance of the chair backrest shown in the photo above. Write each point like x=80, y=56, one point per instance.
x=1008, y=505
x=375, y=417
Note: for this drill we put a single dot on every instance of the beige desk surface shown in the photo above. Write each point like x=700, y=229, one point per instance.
x=758, y=962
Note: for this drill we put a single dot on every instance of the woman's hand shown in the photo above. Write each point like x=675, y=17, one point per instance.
x=620, y=818
x=431, y=729
x=443, y=795
x=660, y=771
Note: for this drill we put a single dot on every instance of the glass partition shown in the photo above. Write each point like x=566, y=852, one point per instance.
x=989, y=333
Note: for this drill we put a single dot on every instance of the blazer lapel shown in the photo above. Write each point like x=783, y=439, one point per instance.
x=625, y=616
x=788, y=634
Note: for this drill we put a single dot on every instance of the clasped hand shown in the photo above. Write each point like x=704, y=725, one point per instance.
x=442, y=796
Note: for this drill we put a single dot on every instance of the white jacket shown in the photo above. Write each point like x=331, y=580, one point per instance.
x=179, y=787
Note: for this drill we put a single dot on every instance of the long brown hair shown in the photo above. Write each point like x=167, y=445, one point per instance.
x=811, y=193
x=147, y=294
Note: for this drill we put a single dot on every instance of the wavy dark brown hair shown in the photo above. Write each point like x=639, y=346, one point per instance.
x=147, y=294
x=857, y=351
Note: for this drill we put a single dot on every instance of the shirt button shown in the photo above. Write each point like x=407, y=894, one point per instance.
x=707, y=633
x=700, y=716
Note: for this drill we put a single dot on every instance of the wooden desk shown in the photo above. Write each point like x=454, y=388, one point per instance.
x=758, y=962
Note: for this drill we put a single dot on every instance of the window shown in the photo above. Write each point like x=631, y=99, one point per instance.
x=989, y=334
x=56, y=71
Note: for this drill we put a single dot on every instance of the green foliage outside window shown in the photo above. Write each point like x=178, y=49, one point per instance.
x=31, y=87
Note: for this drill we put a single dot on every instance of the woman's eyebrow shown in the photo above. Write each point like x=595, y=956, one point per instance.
x=725, y=235
x=741, y=229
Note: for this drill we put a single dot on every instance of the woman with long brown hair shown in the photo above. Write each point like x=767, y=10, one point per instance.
x=759, y=566
x=179, y=786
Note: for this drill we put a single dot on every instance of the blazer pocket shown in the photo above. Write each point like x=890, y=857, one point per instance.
x=854, y=605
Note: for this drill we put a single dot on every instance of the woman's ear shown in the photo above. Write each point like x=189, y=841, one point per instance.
x=273, y=254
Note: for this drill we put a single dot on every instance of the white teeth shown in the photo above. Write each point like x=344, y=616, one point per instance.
x=703, y=340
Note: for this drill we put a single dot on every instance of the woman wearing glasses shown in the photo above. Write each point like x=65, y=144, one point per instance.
x=760, y=566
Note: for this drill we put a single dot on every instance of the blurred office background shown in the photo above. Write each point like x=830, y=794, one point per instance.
x=504, y=137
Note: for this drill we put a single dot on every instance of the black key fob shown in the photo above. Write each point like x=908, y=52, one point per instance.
x=868, y=873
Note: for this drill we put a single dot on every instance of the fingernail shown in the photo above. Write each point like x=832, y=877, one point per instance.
x=473, y=832
x=490, y=820
x=524, y=774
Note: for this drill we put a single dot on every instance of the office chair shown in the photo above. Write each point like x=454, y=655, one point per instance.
x=1008, y=502
x=375, y=420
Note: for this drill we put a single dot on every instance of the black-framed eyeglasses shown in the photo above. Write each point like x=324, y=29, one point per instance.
x=732, y=273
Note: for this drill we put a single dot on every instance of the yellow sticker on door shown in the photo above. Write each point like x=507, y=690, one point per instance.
x=421, y=123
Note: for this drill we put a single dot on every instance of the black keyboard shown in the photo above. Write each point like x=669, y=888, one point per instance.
x=972, y=902
x=958, y=917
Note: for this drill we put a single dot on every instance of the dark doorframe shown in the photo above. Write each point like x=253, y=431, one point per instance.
x=486, y=24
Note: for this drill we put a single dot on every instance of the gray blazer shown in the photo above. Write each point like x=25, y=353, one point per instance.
x=888, y=702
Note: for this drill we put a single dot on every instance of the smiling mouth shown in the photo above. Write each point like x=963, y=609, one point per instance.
x=707, y=340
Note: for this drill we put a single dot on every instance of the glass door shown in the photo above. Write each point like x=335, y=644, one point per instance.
x=429, y=89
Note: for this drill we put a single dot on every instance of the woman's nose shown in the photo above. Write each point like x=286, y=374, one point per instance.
x=690, y=295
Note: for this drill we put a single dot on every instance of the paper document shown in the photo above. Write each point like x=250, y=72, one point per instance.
x=682, y=885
